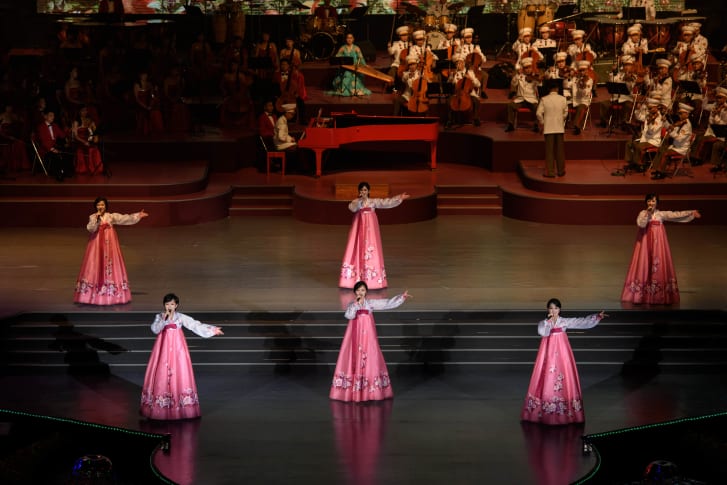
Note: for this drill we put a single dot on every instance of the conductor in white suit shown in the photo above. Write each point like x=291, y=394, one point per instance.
x=551, y=113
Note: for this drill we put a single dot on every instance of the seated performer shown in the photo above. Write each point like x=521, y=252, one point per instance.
x=650, y=135
x=88, y=156
x=411, y=76
x=709, y=146
x=290, y=83
x=661, y=87
x=581, y=95
x=524, y=48
x=461, y=78
x=635, y=45
x=396, y=50
x=680, y=133
x=686, y=47
x=291, y=53
x=700, y=41
x=694, y=71
x=267, y=120
x=281, y=135
x=51, y=143
x=474, y=58
x=450, y=31
x=561, y=70
x=349, y=83
x=545, y=42
x=636, y=84
x=579, y=50
x=523, y=92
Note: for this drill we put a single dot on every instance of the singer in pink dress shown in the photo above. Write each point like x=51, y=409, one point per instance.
x=169, y=391
x=361, y=373
x=102, y=279
x=554, y=394
x=651, y=278
x=363, y=259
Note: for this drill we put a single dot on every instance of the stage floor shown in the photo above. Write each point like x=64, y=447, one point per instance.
x=444, y=426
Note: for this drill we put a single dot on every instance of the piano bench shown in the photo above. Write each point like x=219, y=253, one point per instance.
x=270, y=156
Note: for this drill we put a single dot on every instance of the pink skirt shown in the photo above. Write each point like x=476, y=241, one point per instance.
x=102, y=279
x=554, y=394
x=651, y=277
x=169, y=391
x=363, y=259
x=361, y=373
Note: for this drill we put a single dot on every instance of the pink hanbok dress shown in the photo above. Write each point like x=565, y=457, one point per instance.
x=169, y=391
x=102, y=279
x=554, y=394
x=651, y=278
x=363, y=259
x=361, y=373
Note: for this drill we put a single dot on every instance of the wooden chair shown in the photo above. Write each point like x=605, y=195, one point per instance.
x=272, y=154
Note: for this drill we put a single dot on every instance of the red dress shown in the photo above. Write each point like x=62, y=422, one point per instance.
x=148, y=120
x=651, y=277
x=102, y=279
x=88, y=157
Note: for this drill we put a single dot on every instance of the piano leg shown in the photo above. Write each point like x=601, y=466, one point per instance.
x=433, y=155
x=319, y=161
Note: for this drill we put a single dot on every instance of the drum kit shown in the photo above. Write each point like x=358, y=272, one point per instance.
x=418, y=19
x=320, y=35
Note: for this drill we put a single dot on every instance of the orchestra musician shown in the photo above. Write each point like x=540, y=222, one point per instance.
x=561, y=70
x=635, y=45
x=462, y=78
x=291, y=53
x=579, y=50
x=694, y=71
x=544, y=42
x=420, y=50
x=523, y=92
x=350, y=83
x=266, y=49
x=709, y=146
x=524, y=48
x=680, y=133
x=397, y=48
x=281, y=136
x=688, y=47
x=438, y=8
x=650, y=134
x=474, y=57
x=581, y=95
x=661, y=87
x=410, y=76
x=52, y=146
x=700, y=41
x=290, y=83
x=450, y=31
x=636, y=82
x=326, y=11
x=267, y=120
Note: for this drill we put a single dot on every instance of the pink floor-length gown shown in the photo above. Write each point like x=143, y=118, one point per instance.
x=363, y=259
x=361, y=373
x=651, y=277
x=554, y=394
x=102, y=279
x=169, y=391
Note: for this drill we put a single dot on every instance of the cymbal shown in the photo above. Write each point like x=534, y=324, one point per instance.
x=455, y=7
x=411, y=8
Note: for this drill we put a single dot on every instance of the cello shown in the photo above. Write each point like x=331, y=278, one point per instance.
x=288, y=93
x=419, y=102
x=460, y=100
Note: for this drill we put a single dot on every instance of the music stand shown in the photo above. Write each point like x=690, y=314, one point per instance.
x=649, y=58
x=633, y=13
x=690, y=87
x=548, y=53
x=615, y=89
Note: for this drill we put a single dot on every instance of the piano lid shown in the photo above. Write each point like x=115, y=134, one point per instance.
x=346, y=120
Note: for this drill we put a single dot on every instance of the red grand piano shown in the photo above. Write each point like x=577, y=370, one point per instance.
x=344, y=128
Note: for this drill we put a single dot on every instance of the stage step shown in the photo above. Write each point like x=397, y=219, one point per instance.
x=262, y=200
x=631, y=341
x=468, y=200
